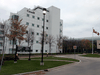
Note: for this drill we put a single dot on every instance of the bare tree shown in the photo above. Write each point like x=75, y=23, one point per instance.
x=59, y=42
x=30, y=37
x=51, y=41
x=63, y=44
x=5, y=28
x=45, y=37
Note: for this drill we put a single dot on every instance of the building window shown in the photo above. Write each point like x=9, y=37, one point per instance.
x=60, y=24
x=11, y=42
x=1, y=38
x=46, y=42
x=26, y=40
x=46, y=35
x=10, y=50
x=36, y=50
x=2, y=26
x=32, y=33
x=32, y=24
x=38, y=18
x=60, y=37
x=27, y=32
x=31, y=41
x=37, y=25
x=27, y=15
x=27, y=23
x=33, y=16
x=15, y=17
x=46, y=27
x=42, y=19
x=45, y=50
x=60, y=31
x=37, y=42
x=0, y=44
x=37, y=33
x=47, y=21
x=1, y=32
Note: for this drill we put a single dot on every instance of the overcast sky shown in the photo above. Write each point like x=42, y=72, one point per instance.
x=79, y=16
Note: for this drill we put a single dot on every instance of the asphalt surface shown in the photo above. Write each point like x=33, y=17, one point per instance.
x=87, y=66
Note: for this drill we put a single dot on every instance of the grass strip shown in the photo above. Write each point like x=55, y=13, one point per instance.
x=91, y=55
x=22, y=66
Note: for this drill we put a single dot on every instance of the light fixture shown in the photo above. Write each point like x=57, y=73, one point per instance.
x=44, y=11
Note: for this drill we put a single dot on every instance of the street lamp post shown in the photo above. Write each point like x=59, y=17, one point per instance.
x=29, y=53
x=44, y=13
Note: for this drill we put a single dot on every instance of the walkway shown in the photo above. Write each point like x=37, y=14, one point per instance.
x=87, y=66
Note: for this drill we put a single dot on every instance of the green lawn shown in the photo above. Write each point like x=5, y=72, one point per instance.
x=22, y=66
x=56, y=58
x=91, y=55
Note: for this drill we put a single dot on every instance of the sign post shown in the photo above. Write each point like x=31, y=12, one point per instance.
x=74, y=47
x=25, y=49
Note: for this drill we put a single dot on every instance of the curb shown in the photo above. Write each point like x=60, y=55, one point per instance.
x=27, y=72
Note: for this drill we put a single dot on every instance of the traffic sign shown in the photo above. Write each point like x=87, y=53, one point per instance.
x=74, y=47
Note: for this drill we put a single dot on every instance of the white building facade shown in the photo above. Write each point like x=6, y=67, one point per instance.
x=34, y=20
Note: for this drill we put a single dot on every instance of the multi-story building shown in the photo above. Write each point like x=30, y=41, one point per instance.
x=34, y=19
x=1, y=37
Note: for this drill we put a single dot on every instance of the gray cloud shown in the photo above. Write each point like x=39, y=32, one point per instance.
x=79, y=16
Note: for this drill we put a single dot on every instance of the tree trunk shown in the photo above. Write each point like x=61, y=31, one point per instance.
x=49, y=48
x=13, y=45
x=28, y=42
x=19, y=42
x=3, y=43
x=64, y=49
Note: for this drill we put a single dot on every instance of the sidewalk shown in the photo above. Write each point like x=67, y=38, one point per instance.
x=33, y=56
x=48, y=60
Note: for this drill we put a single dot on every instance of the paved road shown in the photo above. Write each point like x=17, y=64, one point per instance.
x=87, y=66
